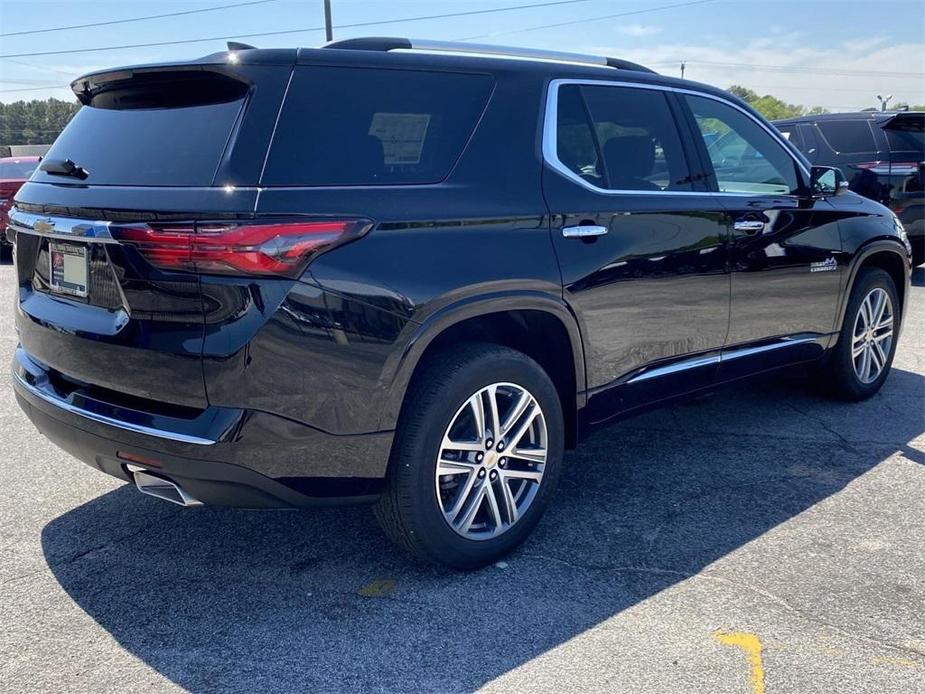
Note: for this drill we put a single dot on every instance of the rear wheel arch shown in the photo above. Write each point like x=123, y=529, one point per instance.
x=539, y=326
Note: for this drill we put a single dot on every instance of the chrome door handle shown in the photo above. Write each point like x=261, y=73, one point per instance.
x=749, y=226
x=582, y=231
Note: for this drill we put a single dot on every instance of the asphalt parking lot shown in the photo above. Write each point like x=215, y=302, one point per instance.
x=762, y=539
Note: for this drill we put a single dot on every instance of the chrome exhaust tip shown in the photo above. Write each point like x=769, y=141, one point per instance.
x=155, y=485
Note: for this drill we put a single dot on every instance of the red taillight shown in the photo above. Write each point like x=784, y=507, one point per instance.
x=258, y=248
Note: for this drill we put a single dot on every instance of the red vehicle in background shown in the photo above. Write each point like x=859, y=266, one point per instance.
x=14, y=171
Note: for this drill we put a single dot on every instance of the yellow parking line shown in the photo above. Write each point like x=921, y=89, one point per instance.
x=751, y=644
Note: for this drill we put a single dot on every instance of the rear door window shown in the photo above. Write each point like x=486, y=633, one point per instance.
x=358, y=126
x=620, y=138
x=166, y=132
x=848, y=136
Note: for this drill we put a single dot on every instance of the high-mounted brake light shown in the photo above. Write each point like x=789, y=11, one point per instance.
x=249, y=248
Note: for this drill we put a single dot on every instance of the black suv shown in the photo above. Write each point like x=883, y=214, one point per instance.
x=273, y=278
x=882, y=155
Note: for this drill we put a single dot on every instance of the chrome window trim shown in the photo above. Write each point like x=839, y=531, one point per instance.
x=103, y=419
x=550, y=144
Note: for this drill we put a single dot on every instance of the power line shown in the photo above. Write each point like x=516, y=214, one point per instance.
x=355, y=25
x=806, y=70
x=36, y=89
x=40, y=67
x=137, y=19
x=589, y=19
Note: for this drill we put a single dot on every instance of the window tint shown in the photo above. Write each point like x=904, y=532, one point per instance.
x=906, y=133
x=745, y=157
x=350, y=126
x=139, y=136
x=848, y=136
x=620, y=138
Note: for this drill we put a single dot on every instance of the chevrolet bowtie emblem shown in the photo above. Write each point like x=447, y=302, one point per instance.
x=44, y=226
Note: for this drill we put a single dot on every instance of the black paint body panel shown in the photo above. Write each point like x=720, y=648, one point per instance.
x=317, y=367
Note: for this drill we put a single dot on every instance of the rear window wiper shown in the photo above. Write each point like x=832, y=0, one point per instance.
x=63, y=167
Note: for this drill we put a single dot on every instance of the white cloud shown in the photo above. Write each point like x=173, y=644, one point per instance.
x=827, y=85
x=639, y=30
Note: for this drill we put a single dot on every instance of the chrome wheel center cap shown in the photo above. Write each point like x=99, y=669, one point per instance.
x=491, y=459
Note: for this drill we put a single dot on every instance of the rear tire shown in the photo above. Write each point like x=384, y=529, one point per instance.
x=861, y=360
x=508, y=494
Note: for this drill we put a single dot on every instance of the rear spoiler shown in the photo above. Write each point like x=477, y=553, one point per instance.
x=905, y=120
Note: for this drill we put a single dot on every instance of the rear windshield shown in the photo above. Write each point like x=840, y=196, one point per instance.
x=905, y=133
x=848, y=136
x=165, y=134
x=17, y=169
x=357, y=126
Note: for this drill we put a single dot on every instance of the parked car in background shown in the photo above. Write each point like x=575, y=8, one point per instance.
x=14, y=171
x=882, y=154
x=414, y=278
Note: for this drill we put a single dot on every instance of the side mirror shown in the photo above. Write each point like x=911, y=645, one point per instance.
x=826, y=181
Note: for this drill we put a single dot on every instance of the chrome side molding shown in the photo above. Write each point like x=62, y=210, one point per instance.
x=726, y=355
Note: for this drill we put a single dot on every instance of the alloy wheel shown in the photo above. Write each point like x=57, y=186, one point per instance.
x=491, y=461
x=872, y=337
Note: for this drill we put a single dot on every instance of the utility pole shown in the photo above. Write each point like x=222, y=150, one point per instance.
x=884, y=101
x=682, y=69
x=328, y=28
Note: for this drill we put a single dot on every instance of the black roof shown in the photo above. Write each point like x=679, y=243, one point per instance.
x=876, y=116
x=379, y=52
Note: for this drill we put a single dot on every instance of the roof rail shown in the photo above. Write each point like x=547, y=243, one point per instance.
x=374, y=43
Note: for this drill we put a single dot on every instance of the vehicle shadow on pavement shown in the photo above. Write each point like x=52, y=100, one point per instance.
x=219, y=599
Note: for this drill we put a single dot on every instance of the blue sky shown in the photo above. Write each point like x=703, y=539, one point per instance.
x=799, y=51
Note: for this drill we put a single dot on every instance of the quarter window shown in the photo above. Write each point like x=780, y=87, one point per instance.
x=620, y=138
x=745, y=157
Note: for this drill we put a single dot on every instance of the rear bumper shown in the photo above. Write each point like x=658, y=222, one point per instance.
x=219, y=456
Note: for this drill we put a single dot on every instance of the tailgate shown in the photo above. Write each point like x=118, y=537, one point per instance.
x=94, y=313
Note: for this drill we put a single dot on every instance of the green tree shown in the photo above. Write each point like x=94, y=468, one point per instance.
x=34, y=122
x=771, y=107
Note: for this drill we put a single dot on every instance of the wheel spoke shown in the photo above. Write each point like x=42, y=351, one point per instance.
x=478, y=414
x=450, y=445
x=865, y=364
x=523, y=402
x=532, y=475
x=877, y=306
x=493, y=506
x=454, y=467
x=495, y=422
x=465, y=491
x=877, y=352
x=858, y=350
x=533, y=455
x=472, y=509
x=510, y=505
x=883, y=336
x=532, y=413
